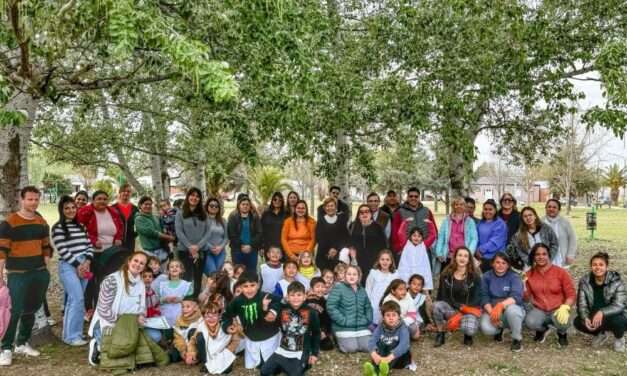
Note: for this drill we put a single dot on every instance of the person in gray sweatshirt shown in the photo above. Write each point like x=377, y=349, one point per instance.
x=389, y=344
x=192, y=233
x=566, y=238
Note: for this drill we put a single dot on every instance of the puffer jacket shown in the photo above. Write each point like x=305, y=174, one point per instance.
x=613, y=293
x=520, y=254
x=350, y=310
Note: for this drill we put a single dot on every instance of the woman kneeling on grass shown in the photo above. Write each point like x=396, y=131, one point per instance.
x=120, y=313
x=601, y=303
x=501, y=299
x=550, y=290
x=457, y=304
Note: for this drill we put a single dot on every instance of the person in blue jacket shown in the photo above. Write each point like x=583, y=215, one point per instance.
x=501, y=298
x=492, y=232
x=457, y=230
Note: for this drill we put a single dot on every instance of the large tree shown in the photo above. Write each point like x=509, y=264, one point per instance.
x=53, y=50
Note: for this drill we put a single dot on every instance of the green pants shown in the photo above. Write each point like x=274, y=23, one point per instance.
x=27, y=291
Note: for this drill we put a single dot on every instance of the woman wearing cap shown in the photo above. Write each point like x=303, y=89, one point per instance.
x=532, y=231
x=551, y=293
x=601, y=303
x=502, y=302
x=509, y=213
x=492, y=232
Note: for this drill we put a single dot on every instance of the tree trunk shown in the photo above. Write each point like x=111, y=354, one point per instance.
x=156, y=175
x=130, y=177
x=165, y=179
x=342, y=175
x=14, y=153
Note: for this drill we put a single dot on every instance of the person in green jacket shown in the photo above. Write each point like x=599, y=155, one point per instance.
x=350, y=312
x=148, y=228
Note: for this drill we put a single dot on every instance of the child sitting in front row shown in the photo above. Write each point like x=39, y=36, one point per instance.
x=389, y=344
x=329, y=280
x=340, y=272
x=172, y=291
x=152, y=304
x=186, y=325
x=422, y=302
x=290, y=274
x=397, y=292
x=300, y=336
x=256, y=312
x=154, y=266
x=306, y=267
x=210, y=346
x=316, y=300
x=271, y=272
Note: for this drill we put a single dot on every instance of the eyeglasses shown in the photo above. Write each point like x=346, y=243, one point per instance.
x=212, y=314
x=214, y=206
x=507, y=200
x=364, y=212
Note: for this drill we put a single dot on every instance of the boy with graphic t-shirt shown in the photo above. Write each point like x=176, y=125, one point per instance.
x=300, y=336
x=256, y=313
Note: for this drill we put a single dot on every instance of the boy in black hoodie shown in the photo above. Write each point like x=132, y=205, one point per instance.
x=300, y=341
x=256, y=313
x=317, y=302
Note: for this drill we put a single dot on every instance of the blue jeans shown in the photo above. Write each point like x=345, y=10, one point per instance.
x=247, y=259
x=213, y=262
x=75, y=306
x=154, y=334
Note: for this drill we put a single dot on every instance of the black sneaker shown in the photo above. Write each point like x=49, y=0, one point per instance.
x=468, y=341
x=440, y=338
x=541, y=336
x=562, y=339
x=516, y=345
x=498, y=337
x=94, y=353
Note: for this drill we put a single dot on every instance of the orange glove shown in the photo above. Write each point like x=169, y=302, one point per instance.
x=454, y=322
x=468, y=310
x=497, y=311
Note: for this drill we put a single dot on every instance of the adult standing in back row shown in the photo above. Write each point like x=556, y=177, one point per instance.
x=25, y=251
x=127, y=212
x=566, y=238
x=509, y=214
x=411, y=210
x=192, y=233
x=342, y=207
x=299, y=232
x=244, y=231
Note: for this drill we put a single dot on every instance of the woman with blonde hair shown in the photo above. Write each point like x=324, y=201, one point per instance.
x=457, y=230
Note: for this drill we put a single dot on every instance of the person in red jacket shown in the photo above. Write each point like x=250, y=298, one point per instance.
x=105, y=231
x=419, y=215
x=551, y=292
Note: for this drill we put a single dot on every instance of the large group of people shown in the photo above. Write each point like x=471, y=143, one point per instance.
x=191, y=289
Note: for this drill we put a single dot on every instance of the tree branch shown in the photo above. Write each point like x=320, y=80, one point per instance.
x=14, y=15
x=106, y=83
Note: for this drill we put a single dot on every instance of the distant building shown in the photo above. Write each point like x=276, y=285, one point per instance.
x=490, y=187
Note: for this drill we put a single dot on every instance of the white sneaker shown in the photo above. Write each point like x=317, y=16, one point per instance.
x=599, y=339
x=6, y=358
x=78, y=342
x=26, y=350
x=94, y=353
x=619, y=345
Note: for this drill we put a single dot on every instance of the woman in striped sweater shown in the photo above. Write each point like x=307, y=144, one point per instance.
x=75, y=254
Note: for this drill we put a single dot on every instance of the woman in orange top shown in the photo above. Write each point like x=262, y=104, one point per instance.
x=299, y=232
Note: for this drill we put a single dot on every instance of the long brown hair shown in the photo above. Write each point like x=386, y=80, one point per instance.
x=198, y=210
x=453, y=266
x=220, y=212
x=524, y=229
x=124, y=268
x=294, y=217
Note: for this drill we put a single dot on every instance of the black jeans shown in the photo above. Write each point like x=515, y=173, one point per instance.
x=615, y=324
x=193, y=270
x=278, y=364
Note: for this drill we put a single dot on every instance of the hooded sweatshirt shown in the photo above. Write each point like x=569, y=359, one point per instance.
x=386, y=341
x=492, y=237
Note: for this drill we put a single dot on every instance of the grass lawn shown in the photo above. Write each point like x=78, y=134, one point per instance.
x=484, y=358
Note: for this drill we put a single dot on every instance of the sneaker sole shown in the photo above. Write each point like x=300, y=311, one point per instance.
x=92, y=345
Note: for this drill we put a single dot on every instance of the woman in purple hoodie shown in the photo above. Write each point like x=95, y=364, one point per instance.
x=492, y=235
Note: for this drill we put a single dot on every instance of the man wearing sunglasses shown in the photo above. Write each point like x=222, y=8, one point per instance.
x=411, y=210
x=342, y=207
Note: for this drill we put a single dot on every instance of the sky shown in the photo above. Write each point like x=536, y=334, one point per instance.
x=614, y=152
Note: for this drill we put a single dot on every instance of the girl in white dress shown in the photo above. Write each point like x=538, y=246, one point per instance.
x=172, y=291
x=415, y=260
x=380, y=276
